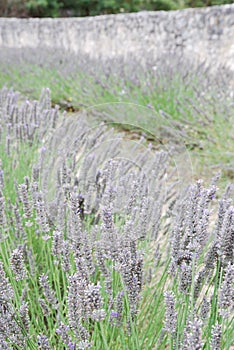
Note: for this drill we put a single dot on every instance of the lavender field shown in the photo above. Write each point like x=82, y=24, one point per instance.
x=116, y=206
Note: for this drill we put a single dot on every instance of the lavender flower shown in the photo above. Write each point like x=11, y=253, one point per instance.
x=116, y=316
x=48, y=292
x=31, y=261
x=71, y=346
x=226, y=297
x=25, y=200
x=199, y=281
x=77, y=285
x=18, y=224
x=205, y=309
x=83, y=345
x=6, y=290
x=75, y=217
x=130, y=265
x=193, y=336
x=190, y=234
x=185, y=274
x=24, y=316
x=100, y=259
x=43, y=342
x=171, y=313
x=4, y=345
x=57, y=245
x=93, y=303
x=17, y=264
x=216, y=335
x=10, y=328
x=107, y=225
x=63, y=331
x=66, y=264
x=45, y=309
x=226, y=236
x=35, y=193
x=42, y=214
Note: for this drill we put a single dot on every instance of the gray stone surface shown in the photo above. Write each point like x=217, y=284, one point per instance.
x=200, y=34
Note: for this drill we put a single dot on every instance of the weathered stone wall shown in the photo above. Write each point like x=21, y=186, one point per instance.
x=200, y=34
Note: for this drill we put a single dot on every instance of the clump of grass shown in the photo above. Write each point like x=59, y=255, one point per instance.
x=100, y=250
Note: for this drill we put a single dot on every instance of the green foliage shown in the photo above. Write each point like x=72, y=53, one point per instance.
x=43, y=8
x=160, y=5
x=204, y=3
x=94, y=7
x=63, y=8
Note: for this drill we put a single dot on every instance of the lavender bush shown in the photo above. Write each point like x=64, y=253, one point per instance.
x=173, y=100
x=105, y=250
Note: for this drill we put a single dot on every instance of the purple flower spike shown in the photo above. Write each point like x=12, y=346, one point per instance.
x=114, y=314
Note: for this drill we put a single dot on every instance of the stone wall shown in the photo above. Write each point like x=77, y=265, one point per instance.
x=200, y=34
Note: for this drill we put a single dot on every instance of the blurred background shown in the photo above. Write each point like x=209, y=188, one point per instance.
x=70, y=8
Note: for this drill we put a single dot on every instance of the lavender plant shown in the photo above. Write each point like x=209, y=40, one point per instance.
x=172, y=99
x=80, y=223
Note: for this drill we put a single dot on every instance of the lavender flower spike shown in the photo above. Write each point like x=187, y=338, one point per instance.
x=17, y=264
x=216, y=337
x=171, y=314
